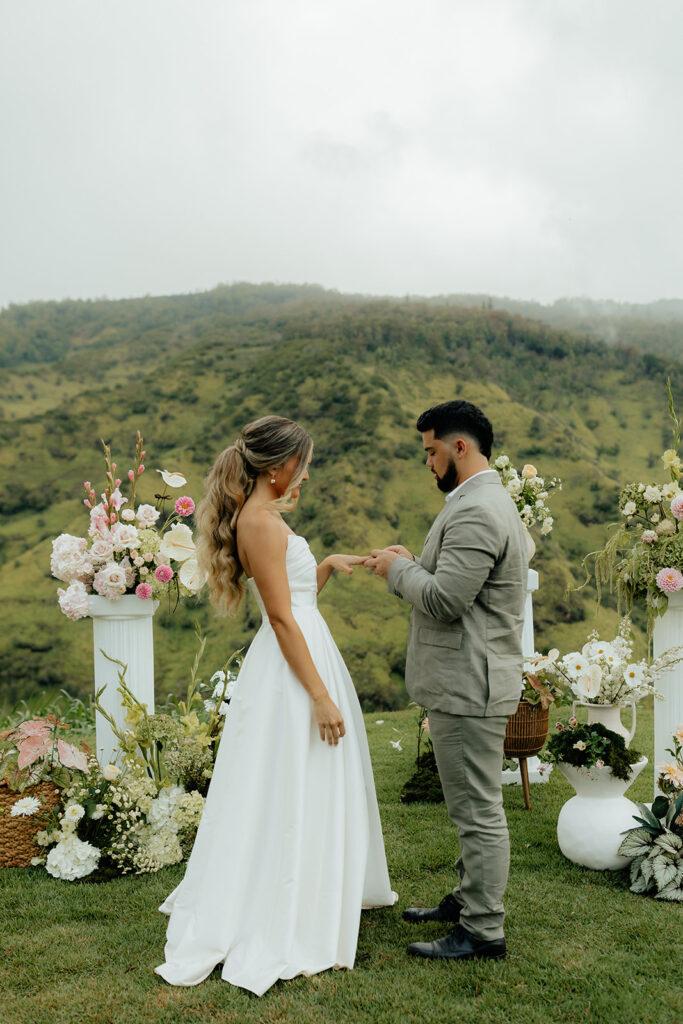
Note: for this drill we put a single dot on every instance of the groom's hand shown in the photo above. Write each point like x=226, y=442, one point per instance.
x=380, y=561
x=400, y=550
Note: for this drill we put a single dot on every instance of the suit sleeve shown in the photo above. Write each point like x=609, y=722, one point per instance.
x=469, y=551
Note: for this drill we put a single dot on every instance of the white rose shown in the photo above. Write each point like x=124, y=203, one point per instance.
x=529, y=471
x=652, y=493
x=69, y=558
x=514, y=486
x=110, y=581
x=124, y=537
x=547, y=526
x=629, y=508
x=501, y=462
x=147, y=516
x=74, y=601
x=128, y=515
x=111, y=772
x=101, y=550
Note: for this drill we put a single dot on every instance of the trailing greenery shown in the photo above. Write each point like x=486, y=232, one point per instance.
x=188, y=371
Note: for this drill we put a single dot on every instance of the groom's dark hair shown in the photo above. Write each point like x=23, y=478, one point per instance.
x=453, y=417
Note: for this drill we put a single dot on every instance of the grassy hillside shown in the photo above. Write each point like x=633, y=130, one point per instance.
x=188, y=371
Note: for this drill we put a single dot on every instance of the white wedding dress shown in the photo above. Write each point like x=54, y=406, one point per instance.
x=290, y=844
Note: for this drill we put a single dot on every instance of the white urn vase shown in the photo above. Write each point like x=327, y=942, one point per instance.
x=123, y=630
x=590, y=825
x=668, y=633
x=609, y=715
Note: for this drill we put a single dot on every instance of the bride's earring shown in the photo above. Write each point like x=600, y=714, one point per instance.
x=272, y=479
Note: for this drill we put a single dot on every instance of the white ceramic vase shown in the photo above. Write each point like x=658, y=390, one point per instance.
x=668, y=633
x=590, y=825
x=609, y=715
x=123, y=630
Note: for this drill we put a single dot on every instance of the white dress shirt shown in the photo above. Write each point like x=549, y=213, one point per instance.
x=481, y=471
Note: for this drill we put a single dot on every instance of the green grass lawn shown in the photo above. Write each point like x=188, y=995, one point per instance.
x=581, y=947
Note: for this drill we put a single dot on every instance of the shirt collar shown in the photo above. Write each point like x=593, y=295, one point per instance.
x=480, y=473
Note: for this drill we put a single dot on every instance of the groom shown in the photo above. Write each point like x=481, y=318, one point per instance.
x=464, y=664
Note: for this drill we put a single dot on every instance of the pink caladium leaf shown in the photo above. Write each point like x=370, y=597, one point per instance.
x=32, y=748
x=71, y=756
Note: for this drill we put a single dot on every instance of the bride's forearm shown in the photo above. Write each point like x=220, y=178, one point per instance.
x=298, y=657
x=323, y=573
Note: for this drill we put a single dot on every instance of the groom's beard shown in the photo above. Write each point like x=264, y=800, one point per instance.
x=449, y=481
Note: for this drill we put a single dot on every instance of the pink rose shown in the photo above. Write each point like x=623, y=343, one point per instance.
x=143, y=591
x=677, y=507
x=669, y=580
x=184, y=506
x=163, y=573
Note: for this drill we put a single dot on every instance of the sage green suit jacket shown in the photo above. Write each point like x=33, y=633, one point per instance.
x=467, y=590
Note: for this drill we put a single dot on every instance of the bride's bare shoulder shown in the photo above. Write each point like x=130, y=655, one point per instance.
x=258, y=527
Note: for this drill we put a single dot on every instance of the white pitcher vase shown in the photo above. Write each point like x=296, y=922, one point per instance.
x=609, y=715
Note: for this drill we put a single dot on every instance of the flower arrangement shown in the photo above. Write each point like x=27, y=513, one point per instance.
x=176, y=746
x=588, y=746
x=644, y=557
x=602, y=672
x=424, y=785
x=35, y=751
x=656, y=845
x=126, y=550
x=118, y=819
x=670, y=778
x=543, y=687
x=529, y=492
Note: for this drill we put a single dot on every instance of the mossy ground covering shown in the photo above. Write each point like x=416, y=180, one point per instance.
x=581, y=946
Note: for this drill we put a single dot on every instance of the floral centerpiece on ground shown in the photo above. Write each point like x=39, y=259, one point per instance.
x=137, y=550
x=603, y=672
x=529, y=492
x=670, y=778
x=644, y=557
x=145, y=815
x=588, y=746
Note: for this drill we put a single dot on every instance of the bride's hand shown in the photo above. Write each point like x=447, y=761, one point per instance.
x=329, y=719
x=344, y=563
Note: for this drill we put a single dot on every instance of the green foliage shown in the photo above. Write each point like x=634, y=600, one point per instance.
x=656, y=846
x=585, y=745
x=357, y=373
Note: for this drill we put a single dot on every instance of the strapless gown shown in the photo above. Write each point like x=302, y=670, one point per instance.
x=289, y=848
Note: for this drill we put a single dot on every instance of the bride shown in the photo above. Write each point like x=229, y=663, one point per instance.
x=289, y=848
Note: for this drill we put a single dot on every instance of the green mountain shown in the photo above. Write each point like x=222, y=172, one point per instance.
x=189, y=370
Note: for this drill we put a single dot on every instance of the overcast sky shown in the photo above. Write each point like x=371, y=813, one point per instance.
x=529, y=148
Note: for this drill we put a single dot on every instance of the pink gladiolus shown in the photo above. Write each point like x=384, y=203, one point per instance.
x=184, y=506
x=131, y=475
x=143, y=591
x=669, y=580
x=113, y=465
x=118, y=483
x=163, y=573
x=92, y=494
x=142, y=455
x=141, y=469
x=108, y=475
x=87, y=503
x=87, y=485
x=112, y=517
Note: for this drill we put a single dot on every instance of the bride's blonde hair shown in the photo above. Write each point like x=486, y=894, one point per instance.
x=263, y=445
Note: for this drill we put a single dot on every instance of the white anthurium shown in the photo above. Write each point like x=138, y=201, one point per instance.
x=587, y=686
x=172, y=479
x=177, y=543
x=191, y=576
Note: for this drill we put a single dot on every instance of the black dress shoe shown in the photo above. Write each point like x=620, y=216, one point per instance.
x=447, y=910
x=459, y=945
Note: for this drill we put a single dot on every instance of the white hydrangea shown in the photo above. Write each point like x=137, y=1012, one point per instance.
x=72, y=858
x=69, y=559
x=74, y=600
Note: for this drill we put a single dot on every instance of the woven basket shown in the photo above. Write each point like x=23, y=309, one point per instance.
x=526, y=730
x=17, y=843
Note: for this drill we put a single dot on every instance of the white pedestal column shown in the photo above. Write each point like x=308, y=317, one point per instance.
x=668, y=712
x=123, y=630
x=538, y=772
